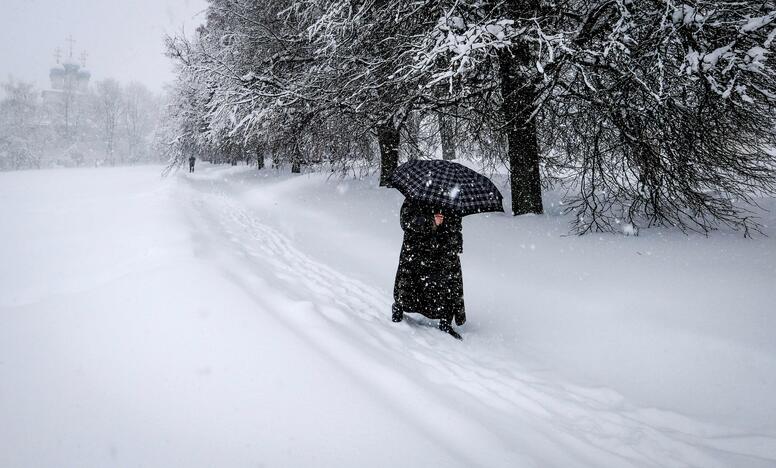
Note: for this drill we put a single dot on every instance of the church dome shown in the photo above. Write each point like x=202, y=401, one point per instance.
x=70, y=66
x=56, y=71
x=70, y=74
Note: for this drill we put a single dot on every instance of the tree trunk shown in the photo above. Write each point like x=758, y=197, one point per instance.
x=446, y=136
x=413, y=135
x=296, y=166
x=388, y=139
x=519, y=98
x=259, y=158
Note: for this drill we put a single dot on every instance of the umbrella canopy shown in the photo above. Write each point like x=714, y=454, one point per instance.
x=447, y=185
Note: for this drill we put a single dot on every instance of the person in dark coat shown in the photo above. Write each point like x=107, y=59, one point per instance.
x=429, y=280
x=192, y=160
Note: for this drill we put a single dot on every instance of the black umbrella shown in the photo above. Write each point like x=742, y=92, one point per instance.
x=447, y=185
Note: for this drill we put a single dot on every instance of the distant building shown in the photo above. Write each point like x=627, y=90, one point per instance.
x=65, y=109
x=68, y=77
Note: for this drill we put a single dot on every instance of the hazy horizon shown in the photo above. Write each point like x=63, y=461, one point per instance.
x=122, y=40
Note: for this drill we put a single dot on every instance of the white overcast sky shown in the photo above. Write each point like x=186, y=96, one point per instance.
x=123, y=38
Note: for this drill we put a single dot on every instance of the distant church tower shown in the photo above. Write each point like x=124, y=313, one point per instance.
x=65, y=100
x=70, y=75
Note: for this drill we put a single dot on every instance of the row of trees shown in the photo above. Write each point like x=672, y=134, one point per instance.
x=109, y=124
x=648, y=112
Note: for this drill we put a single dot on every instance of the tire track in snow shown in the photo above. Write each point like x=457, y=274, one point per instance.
x=488, y=395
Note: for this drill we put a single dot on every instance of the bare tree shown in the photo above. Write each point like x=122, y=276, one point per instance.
x=139, y=116
x=108, y=100
x=20, y=131
x=648, y=112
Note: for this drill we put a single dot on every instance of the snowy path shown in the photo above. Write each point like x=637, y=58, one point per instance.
x=177, y=323
x=500, y=414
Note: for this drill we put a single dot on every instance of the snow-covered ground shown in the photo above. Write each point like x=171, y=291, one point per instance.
x=235, y=318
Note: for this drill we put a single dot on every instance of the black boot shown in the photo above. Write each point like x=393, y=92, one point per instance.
x=396, y=314
x=445, y=326
x=460, y=317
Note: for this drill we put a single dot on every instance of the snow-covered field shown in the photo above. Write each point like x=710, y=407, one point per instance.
x=231, y=318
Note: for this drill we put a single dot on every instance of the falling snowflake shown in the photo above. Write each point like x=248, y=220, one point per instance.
x=453, y=194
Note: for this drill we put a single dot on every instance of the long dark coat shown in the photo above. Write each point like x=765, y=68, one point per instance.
x=429, y=280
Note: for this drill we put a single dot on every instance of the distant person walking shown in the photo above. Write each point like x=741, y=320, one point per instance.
x=192, y=160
